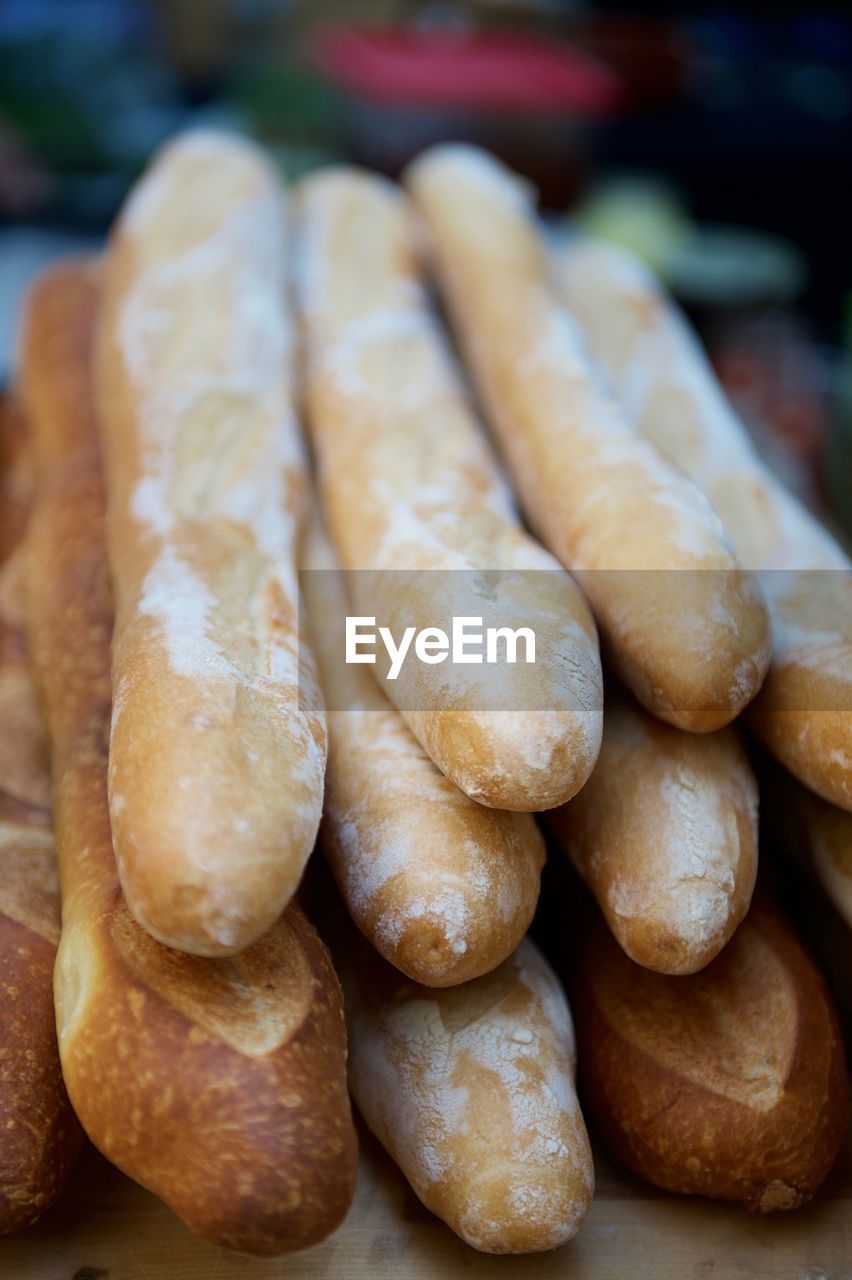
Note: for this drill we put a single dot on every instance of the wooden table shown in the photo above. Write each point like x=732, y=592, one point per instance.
x=106, y=1228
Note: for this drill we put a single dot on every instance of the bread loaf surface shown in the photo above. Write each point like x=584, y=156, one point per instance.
x=218, y=1084
x=685, y=626
x=728, y=1083
x=217, y=743
x=16, y=476
x=471, y=1090
x=39, y=1133
x=665, y=835
x=443, y=887
x=666, y=385
x=418, y=514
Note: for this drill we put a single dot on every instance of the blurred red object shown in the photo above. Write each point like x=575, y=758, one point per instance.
x=531, y=100
x=484, y=70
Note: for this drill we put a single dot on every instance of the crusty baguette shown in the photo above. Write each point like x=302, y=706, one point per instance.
x=39, y=1133
x=23, y=760
x=471, y=1090
x=218, y=1084
x=15, y=475
x=665, y=835
x=443, y=887
x=728, y=1083
x=686, y=627
x=217, y=746
x=409, y=485
x=664, y=381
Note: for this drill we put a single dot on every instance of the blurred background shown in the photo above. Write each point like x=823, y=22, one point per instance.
x=714, y=140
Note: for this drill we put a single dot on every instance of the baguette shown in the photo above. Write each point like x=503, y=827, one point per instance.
x=218, y=1084
x=217, y=745
x=15, y=476
x=665, y=835
x=39, y=1133
x=663, y=379
x=728, y=1083
x=401, y=495
x=442, y=887
x=471, y=1090
x=691, y=637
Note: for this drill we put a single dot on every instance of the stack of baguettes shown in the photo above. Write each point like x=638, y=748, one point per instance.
x=199, y=1021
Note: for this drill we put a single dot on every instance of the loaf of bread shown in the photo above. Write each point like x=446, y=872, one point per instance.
x=217, y=745
x=728, y=1083
x=471, y=1090
x=15, y=475
x=443, y=887
x=665, y=835
x=666, y=385
x=218, y=1084
x=419, y=515
x=686, y=628
x=39, y=1133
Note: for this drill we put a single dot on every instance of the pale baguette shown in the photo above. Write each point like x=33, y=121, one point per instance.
x=471, y=1090
x=686, y=627
x=665, y=835
x=667, y=387
x=218, y=1084
x=39, y=1133
x=728, y=1083
x=409, y=485
x=443, y=887
x=217, y=745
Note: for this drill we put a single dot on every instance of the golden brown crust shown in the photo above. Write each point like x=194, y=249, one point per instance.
x=441, y=886
x=61, y=407
x=16, y=479
x=39, y=1134
x=686, y=627
x=471, y=1090
x=23, y=752
x=729, y=1083
x=804, y=711
x=29, y=883
x=217, y=744
x=664, y=381
x=665, y=835
x=218, y=1084
x=402, y=493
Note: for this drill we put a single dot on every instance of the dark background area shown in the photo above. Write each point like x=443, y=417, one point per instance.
x=714, y=139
